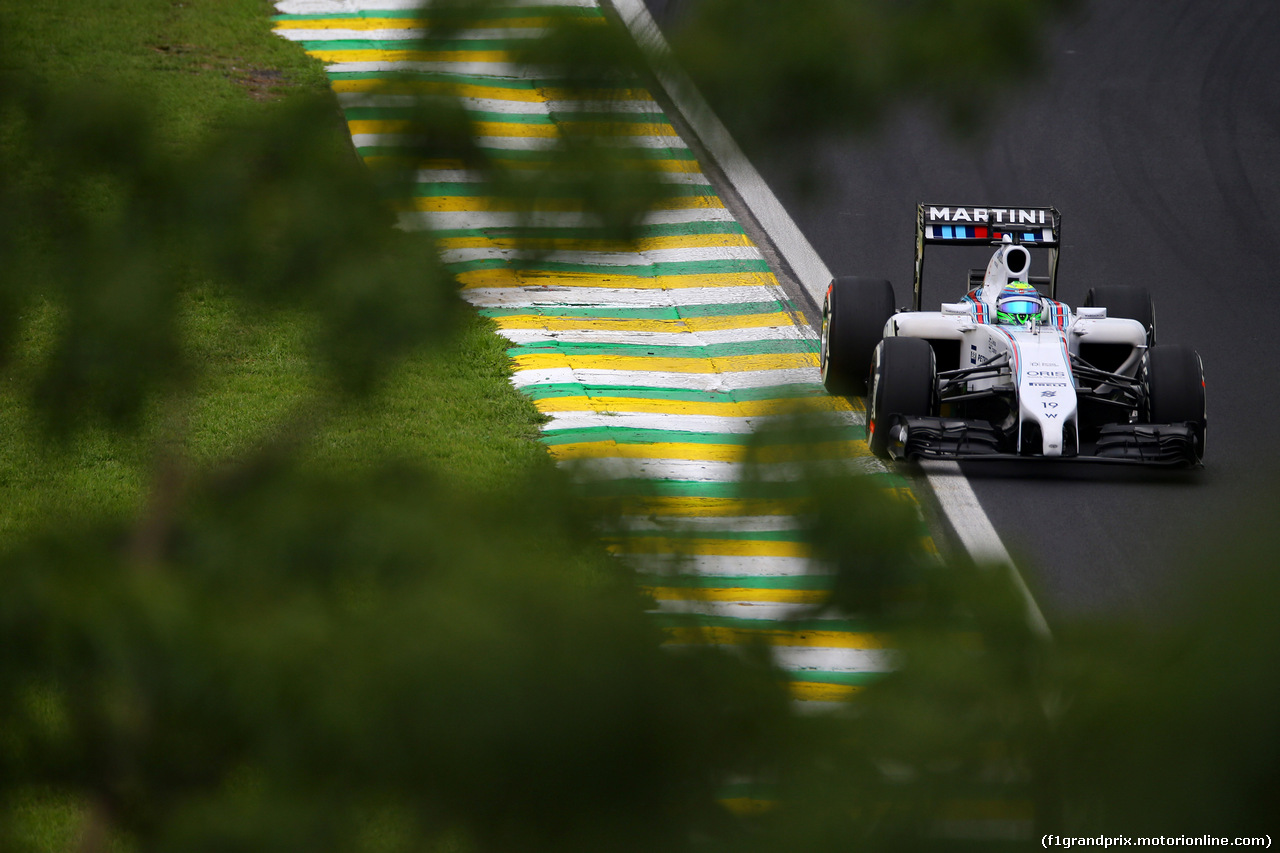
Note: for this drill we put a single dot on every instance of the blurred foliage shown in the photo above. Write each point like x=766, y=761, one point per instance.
x=271, y=657
x=294, y=650
x=779, y=73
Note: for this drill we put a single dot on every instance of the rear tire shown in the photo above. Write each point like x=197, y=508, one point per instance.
x=904, y=381
x=1128, y=302
x=854, y=313
x=1175, y=389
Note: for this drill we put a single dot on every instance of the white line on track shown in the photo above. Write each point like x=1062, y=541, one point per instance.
x=956, y=497
x=974, y=529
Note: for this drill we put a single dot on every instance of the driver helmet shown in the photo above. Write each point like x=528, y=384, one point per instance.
x=1018, y=303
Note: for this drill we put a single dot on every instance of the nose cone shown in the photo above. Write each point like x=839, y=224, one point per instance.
x=1046, y=395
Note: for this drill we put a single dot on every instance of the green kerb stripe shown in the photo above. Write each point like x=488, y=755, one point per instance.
x=853, y=679
x=619, y=435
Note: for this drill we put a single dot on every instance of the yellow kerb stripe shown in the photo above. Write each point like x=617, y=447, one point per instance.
x=519, y=129
x=781, y=596
x=406, y=160
x=724, y=636
x=720, y=547
x=817, y=691
x=534, y=279
x=501, y=205
x=363, y=55
x=649, y=405
x=480, y=128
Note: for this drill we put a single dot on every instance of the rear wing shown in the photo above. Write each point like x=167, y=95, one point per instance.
x=960, y=225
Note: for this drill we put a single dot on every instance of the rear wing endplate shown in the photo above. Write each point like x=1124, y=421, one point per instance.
x=964, y=225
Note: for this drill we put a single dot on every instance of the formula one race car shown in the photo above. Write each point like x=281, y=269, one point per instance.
x=1007, y=372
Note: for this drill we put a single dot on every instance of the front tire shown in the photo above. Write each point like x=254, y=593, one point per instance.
x=854, y=313
x=904, y=381
x=1175, y=389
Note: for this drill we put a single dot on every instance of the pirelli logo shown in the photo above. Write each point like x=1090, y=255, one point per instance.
x=1008, y=216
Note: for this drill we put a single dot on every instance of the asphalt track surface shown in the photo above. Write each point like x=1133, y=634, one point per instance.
x=1156, y=133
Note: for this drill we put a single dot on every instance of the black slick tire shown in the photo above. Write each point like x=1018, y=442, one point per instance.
x=854, y=312
x=1129, y=302
x=903, y=382
x=1174, y=377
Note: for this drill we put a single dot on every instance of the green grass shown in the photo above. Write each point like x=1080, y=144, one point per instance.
x=200, y=63
x=194, y=59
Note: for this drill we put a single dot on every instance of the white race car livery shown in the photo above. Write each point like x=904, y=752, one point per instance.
x=1007, y=371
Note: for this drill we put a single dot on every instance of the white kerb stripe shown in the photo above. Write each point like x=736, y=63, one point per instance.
x=405, y=34
x=607, y=259
x=451, y=219
x=653, y=379
x=527, y=337
x=539, y=296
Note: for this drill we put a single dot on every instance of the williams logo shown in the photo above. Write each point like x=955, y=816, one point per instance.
x=991, y=215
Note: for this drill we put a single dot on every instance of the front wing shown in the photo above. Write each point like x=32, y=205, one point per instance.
x=915, y=438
